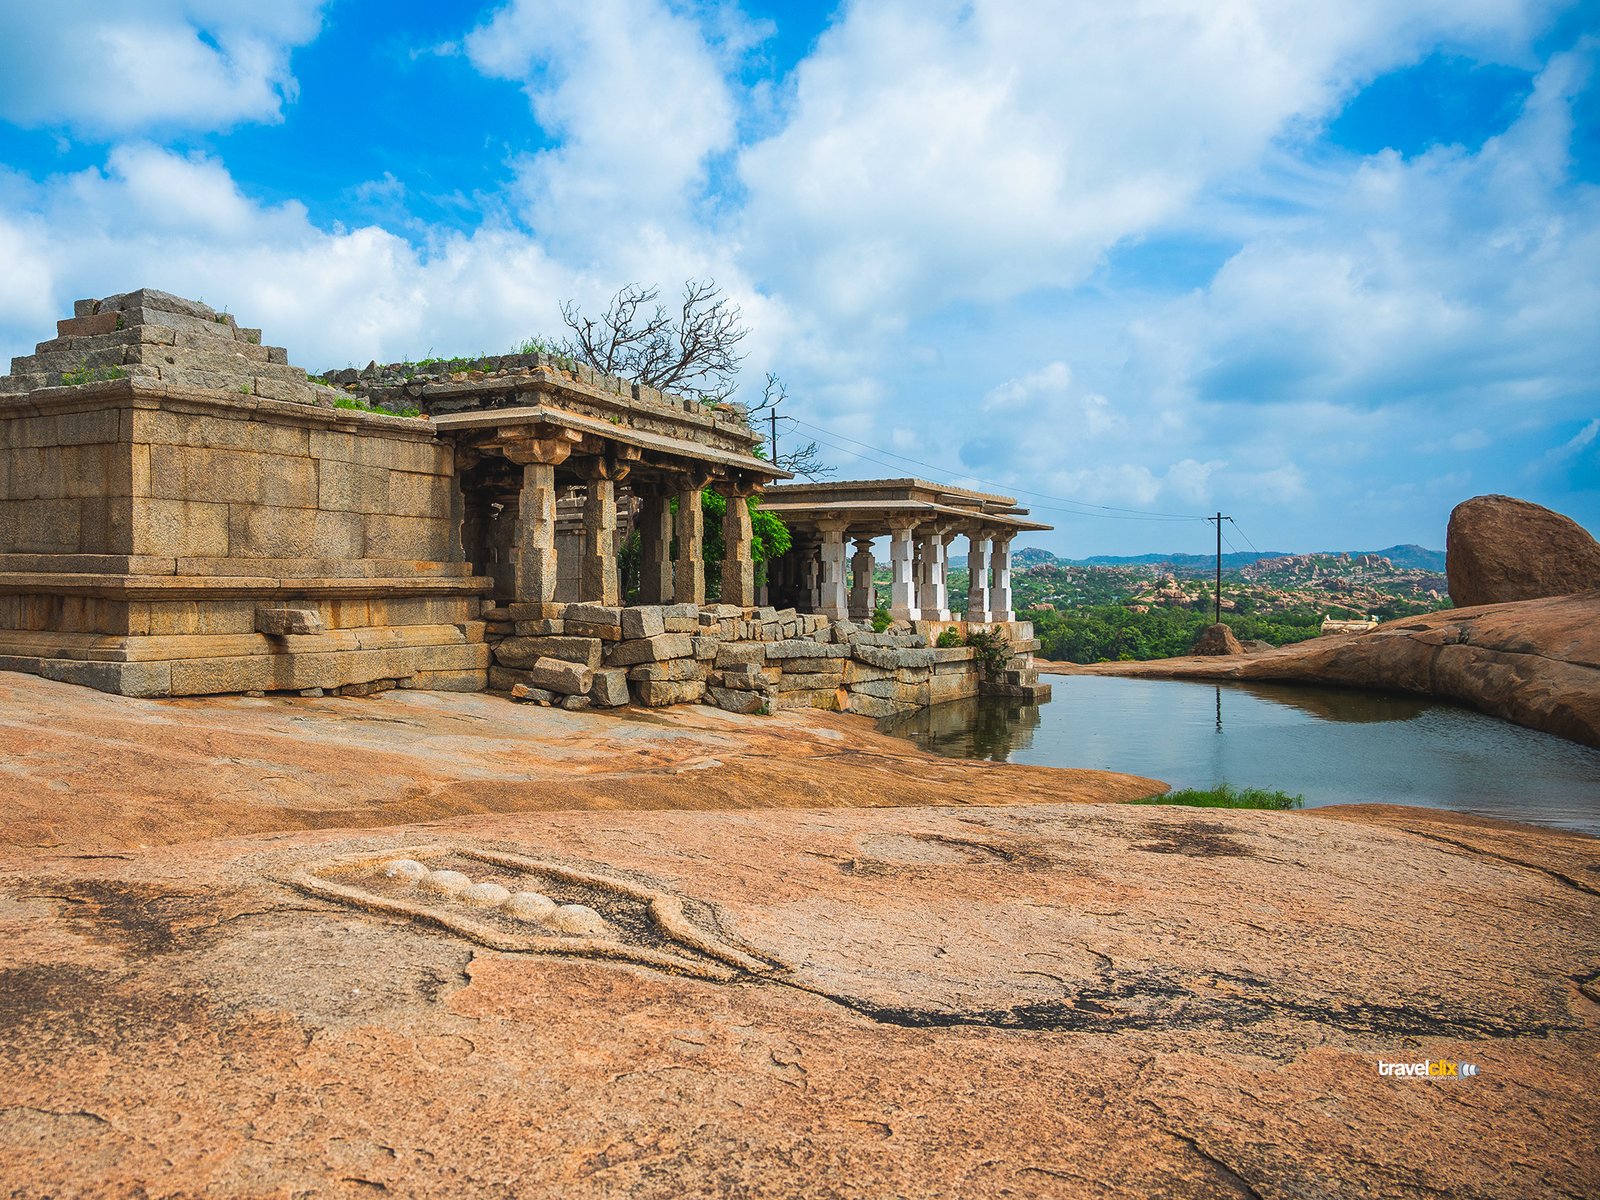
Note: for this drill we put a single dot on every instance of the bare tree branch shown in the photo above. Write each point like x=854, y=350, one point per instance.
x=697, y=351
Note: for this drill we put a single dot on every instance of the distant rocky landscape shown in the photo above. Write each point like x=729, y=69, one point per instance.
x=1522, y=644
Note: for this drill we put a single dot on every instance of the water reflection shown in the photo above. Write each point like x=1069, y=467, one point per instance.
x=991, y=728
x=1332, y=745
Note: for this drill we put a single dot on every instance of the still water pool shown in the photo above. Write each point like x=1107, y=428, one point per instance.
x=1331, y=745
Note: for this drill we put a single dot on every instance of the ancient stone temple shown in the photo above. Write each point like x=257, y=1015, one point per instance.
x=922, y=521
x=182, y=512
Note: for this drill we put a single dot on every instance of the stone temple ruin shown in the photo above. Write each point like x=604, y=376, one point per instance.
x=184, y=513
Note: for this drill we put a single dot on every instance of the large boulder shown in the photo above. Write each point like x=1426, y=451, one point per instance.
x=1217, y=639
x=1499, y=549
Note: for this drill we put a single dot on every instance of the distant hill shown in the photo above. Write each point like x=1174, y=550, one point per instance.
x=1416, y=557
x=1409, y=555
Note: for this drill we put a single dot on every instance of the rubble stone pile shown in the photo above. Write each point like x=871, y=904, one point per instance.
x=742, y=660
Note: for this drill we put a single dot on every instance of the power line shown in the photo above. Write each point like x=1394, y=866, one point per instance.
x=1241, y=533
x=1130, y=513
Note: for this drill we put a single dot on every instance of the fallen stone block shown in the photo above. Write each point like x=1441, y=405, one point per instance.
x=736, y=653
x=891, y=658
x=643, y=621
x=606, y=633
x=532, y=695
x=574, y=703
x=674, y=669
x=523, y=652
x=655, y=649
x=804, y=648
x=539, y=628
x=814, y=666
x=680, y=618
x=705, y=647
x=658, y=693
x=594, y=614
x=801, y=683
x=736, y=701
x=557, y=675
x=536, y=612
x=610, y=687
x=873, y=706
x=828, y=701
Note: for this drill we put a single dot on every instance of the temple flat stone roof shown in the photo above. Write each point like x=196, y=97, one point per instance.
x=872, y=506
x=535, y=416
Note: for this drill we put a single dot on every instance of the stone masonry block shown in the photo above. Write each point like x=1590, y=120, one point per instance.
x=734, y=701
x=814, y=666
x=676, y=670
x=658, y=693
x=610, y=687
x=805, y=648
x=523, y=652
x=738, y=653
x=657, y=649
x=555, y=675
x=643, y=621
x=281, y=622
x=595, y=614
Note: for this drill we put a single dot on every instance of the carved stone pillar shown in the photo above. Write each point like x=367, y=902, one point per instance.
x=533, y=555
x=978, y=543
x=655, y=546
x=738, y=558
x=1000, y=605
x=902, y=592
x=835, y=599
x=861, y=598
x=688, y=570
x=597, y=568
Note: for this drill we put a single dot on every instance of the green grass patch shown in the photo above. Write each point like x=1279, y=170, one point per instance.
x=86, y=374
x=351, y=402
x=1225, y=795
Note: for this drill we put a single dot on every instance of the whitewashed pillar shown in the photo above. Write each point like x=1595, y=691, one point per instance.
x=933, y=604
x=902, y=592
x=835, y=601
x=1001, y=604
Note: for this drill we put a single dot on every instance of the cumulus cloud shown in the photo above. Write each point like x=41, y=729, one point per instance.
x=634, y=95
x=937, y=151
x=109, y=69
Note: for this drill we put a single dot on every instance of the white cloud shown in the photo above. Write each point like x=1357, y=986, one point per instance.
x=1047, y=383
x=174, y=64
x=943, y=151
x=635, y=94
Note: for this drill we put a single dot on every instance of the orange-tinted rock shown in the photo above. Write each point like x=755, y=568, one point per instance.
x=1499, y=549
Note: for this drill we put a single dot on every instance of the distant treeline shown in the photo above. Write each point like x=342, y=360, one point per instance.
x=1112, y=633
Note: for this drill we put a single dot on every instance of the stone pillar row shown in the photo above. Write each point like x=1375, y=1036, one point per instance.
x=662, y=579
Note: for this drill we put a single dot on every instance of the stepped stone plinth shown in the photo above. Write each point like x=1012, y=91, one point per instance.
x=156, y=336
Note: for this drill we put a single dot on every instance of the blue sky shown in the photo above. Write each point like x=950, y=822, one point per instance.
x=1328, y=268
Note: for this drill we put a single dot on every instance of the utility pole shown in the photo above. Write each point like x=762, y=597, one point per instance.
x=1219, y=519
x=772, y=415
